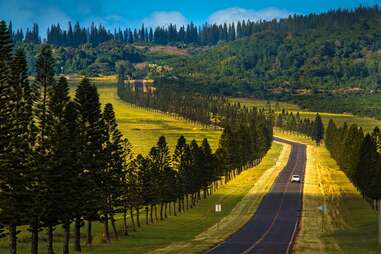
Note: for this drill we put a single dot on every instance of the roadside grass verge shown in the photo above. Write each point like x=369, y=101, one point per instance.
x=197, y=226
x=349, y=224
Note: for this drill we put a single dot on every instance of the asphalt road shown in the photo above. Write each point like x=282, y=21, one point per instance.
x=273, y=227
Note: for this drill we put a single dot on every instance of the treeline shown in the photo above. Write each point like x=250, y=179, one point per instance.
x=209, y=110
x=289, y=121
x=359, y=155
x=64, y=162
x=207, y=34
x=247, y=132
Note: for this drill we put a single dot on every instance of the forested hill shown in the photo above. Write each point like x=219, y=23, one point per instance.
x=328, y=51
x=305, y=59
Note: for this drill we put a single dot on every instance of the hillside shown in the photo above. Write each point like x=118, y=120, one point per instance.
x=333, y=56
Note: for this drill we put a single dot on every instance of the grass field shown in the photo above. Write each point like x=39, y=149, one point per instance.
x=367, y=123
x=143, y=127
x=349, y=225
x=258, y=103
x=194, y=230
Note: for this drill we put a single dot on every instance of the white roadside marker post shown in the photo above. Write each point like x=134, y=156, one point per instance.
x=217, y=210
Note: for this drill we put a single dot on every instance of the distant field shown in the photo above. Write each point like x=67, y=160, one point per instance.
x=349, y=224
x=252, y=102
x=143, y=127
x=366, y=123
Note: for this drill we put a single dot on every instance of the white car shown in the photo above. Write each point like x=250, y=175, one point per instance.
x=295, y=179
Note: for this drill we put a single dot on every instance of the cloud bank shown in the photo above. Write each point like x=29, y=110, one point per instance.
x=238, y=14
x=164, y=18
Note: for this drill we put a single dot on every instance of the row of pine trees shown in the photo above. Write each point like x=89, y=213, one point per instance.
x=64, y=162
x=289, y=121
x=358, y=154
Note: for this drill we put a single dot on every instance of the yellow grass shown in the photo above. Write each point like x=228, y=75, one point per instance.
x=143, y=127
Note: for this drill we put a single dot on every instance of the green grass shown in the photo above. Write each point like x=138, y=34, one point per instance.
x=367, y=123
x=143, y=127
x=258, y=103
x=350, y=225
x=191, y=231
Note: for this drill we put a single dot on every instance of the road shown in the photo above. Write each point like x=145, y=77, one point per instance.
x=273, y=227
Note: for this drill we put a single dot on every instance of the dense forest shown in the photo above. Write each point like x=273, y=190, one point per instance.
x=285, y=56
x=326, y=62
x=64, y=162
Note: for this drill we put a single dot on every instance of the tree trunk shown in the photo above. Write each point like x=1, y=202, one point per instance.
x=161, y=211
x=132, y=219
x=125, y=227
x=66, y=237
x=187, y=197
x=146, y=215
x=116, y=236
x=34, y=231
x=12, y=239
x=179, y=205
x=151, y=213
x=165, y=209
x=50, y=240
x=205, y=192
x=174, y=208
x=77, y=242
x=156, y=213
x=106, y=231
x=89, y=233
x=138, y=216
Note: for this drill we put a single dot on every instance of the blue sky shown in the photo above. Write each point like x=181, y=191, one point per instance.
x=132, y=13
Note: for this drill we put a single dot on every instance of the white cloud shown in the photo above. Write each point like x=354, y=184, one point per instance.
x=164, y=18
x=238, y=14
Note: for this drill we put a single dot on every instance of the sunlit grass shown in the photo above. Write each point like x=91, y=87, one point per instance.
x=367, y=123
x=188, y=232
x=143, y=127
x=349, y=226
x=258, y=103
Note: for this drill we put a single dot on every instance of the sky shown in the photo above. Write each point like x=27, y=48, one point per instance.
x=132, y=13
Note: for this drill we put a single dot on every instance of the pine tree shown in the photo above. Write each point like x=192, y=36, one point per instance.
x=179, y=164
x=68, y=150
x=367, y=167
x=318, y=131
x=162, y=161
x=43, y=86
x=92, y=138
x=115, y=155
x=209, y=173
x=52, y=177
